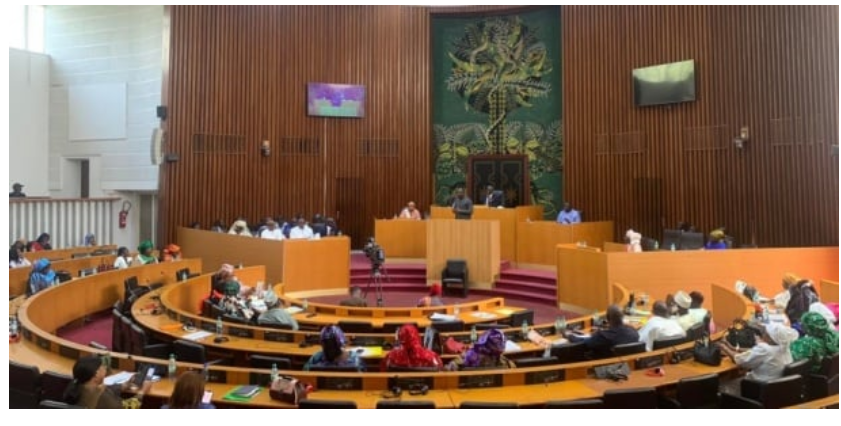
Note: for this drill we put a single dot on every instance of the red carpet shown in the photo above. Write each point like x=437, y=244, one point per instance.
x=98, y=329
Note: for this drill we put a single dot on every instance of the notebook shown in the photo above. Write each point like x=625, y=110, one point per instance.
x=243, y=392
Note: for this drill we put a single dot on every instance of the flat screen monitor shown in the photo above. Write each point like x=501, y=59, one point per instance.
x=335, y=100
x=691, y=241
x=671, y=237
x=664, y=84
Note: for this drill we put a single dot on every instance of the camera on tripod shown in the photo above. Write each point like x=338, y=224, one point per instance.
x=375, y=254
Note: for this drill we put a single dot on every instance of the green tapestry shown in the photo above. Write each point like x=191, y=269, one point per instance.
x=497, y=90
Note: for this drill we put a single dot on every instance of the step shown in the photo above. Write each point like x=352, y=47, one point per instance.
x=527, y=286
x=539, y=298
x=530, y=275
x=420, y=282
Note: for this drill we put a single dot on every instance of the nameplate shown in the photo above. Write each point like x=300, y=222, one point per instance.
x=68, y=352
x=217, y=376
x=480, y=381
x=648, y=362
x=278, y=336
x=340, y=383
x=541, y=377
x=411, y=382
x=172, y=314
x=42, y=343
x=241, y=332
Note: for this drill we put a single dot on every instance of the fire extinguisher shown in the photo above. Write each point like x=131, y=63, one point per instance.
x=124, y=214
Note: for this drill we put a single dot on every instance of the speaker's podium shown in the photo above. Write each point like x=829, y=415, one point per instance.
x=475, y=241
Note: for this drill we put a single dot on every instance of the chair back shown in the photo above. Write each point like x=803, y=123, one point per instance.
x=782, y=392
x=125, y=333
x=186, y=351
x=487, y=405
x=335, y=368
x=829, y=366
x=24, y=385
x=800, y=368
x=54, y=384
x=535, y=362
x=630, y=398
x=139, y=340
x=448, y=326
x=182, y=274
x=696, y=332
x=263, y=361
x=571, y=352
x=116, y=340
x=455, y=268
x=698, y=392
x=629, y=348
x=667, y=343
x=396, y=369
x=323, y=403
x=356, y=327
x=392, y=327
x=516, y=319
x=406, y=404
x=577, y=404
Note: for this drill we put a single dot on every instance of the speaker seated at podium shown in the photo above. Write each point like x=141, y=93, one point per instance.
x=494, y=198
x=569, y=215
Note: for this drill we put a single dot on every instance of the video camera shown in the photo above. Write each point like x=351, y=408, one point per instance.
x=374, y=253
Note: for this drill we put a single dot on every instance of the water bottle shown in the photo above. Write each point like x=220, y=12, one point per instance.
x=595, y=319
x=559, y=325
x=13, y=327
x=765, y=316
x=274, y=373
x=672, y=247
x=524, y=328
x=474, y=335
x=219, y=326
x=305, y=305
x=172, y=368
x=206, y=373
x=656, y=245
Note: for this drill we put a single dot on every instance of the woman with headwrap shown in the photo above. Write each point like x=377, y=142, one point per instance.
x=485, y=353
x=433, y=298
x=171, y=253
x=820, y=341
x=411, y=352
x=332, y=352
x=41, y=277
x=144, y=254
x=89, y=240
x=767, y=359
x=42, y=243
x=240, y=227
x=803, y=295
x=87, y=389
x=716, y=240
x=17, y=259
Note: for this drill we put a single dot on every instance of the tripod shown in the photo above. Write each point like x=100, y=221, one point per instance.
x=376, y=278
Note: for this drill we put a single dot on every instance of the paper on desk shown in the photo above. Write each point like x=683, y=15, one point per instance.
x=117, y=379
x=292, y=310
x=442, y=317
x=367, y=351
x=198, y=335
x=482, y=315
x=511, y=346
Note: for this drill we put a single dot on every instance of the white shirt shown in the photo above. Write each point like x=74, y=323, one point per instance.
x=694, y=316
x=298, y=233
x=275, y=234
x=659, y=328
x=765, y=362
x=781, y=300
x=139, y=260
x=122, y=263
x=22, y=263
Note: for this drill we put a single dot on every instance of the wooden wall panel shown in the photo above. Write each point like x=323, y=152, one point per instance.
x=772, y=69
x=239, y=74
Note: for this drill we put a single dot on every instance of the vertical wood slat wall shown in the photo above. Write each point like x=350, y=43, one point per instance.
x=773, y=69
x=238, y=75
x=241, y=72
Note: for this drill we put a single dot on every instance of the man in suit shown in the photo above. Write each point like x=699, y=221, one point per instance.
x=462, y=205
x=494, y=198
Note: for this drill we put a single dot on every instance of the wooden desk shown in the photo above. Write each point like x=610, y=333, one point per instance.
x=19, y=277
x=476, y=241
x=401, y=237
x=507, y=218
x=67, y=253
x=536, y=240
x=829, y=291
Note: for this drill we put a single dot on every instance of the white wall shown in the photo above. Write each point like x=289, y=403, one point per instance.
x=29, y=101
x=104, y=45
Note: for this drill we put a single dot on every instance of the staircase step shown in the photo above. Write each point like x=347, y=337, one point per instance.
x=531, y=286
x=413, y=281
x=540, y=298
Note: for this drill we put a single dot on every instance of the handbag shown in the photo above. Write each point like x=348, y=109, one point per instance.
x=615, y=372
x=741, y=335
x=288, y=389
x=707, y=354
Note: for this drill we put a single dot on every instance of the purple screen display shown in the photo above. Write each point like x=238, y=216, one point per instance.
x=335, y=100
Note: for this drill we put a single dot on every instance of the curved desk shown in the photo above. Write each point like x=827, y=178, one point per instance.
x=19, y=277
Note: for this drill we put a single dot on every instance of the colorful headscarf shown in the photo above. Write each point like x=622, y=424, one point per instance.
x=820, y=341
x=146, y=246
x=411, y=353
x=89, y=240
x=491, y=344
x=435, y=290
x=41, y=277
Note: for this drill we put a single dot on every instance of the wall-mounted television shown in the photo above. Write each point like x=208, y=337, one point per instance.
x=335, y=100
x=665, y=84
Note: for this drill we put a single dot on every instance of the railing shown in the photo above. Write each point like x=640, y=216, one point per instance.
x=66, y=220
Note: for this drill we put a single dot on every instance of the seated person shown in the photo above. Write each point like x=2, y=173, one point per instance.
x=41, y=244
x=602, y=341
x=318, y=226
x=569, y=215
x=782, y=298
x=21, y=245
x=89, y=240
x=17, y=259
x=433, y=298
x=803, y=295
x=485, y=353
x=42, y=276
x=410, y=212
x=171, y=253
x=411, y=352
x=330, y=227
x=188, y=392
x=820, y=340
x=301, y=231
x=87, y=389
x=660, y=327
x=276, y=314
x=218, y=226
x=355, y=299
x=716, y=240
x=493, y=198
x=689, y=306
x=332, y=353
x=767, y=359
x=240, y=227
x=272, y=231
x=144, y=254
x=123, y=259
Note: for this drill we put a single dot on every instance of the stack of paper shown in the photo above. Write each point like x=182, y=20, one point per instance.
x=242, y=393
x=117, y=379
x=198, y=335
x=442, y=317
